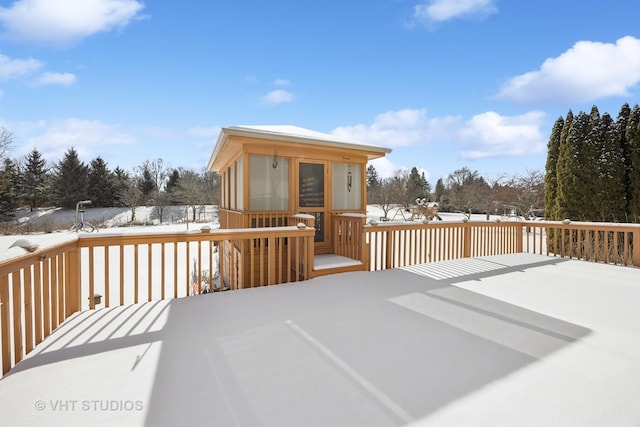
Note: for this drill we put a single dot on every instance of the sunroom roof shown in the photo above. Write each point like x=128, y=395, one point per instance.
x=295, y=134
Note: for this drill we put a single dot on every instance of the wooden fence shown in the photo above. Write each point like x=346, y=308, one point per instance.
x=40, y=290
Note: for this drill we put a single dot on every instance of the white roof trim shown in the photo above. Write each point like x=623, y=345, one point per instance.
x=293, y=134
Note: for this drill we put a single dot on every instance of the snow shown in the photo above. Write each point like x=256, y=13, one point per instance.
x=111, y=220
x=298, y=132
x=522, y=340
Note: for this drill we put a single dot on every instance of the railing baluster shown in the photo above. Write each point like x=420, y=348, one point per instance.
x=149, y=272
x=91, y=279
x=121, y=253
x=28, y=310
x=187, y=277
x=163, y=278
x=46, y=297
x=54, y=292
x=61, y=287
x=37, y=289
x=4, y=322
x=175, y=269
x=107, y=284
x=135, y=274
x=17, y=316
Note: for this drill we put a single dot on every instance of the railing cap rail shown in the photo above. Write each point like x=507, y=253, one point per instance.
x=565, y=223
x=352, y=214
x=303, y=216
x=212, y=232
x=41, y=242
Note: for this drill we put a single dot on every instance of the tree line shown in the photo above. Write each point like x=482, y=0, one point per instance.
x=592, y=171
x=464, y=190
x=32, y=182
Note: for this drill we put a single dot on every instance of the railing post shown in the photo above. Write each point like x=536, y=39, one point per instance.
x=310, y=253
x=467, y=239
x=389, y=243
x=362, y=256
x=366, y=250
x=519, y=237
x=72, y=284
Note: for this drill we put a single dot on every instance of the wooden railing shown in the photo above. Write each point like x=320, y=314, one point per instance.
x=391, y=245
x=347, y=235
x=40, y=290
x=609, y=243
x=256, y=219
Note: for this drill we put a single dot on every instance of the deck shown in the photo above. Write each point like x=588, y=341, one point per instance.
x=516, y=339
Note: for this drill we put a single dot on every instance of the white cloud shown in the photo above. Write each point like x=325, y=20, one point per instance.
x=54, y=138
x=492, y=135
x=483, y=136
x=64, y=79
x=65, y=21
x=398, y=128
x=12, y=68
x=586, y=72
x=281, y=82
x=278, y=96
x=384, y=167
x=435, y=11
x=211, y=132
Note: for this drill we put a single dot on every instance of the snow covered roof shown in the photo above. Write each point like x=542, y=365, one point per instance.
x=295, y=134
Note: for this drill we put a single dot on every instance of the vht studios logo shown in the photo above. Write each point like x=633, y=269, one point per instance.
x=103, y=405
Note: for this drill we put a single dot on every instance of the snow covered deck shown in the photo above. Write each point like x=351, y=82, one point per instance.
x=504, y=340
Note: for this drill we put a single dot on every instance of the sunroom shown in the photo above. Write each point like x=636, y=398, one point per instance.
x=275, y=176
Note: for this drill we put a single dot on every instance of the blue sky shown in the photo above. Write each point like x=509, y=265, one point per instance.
x=444, y=83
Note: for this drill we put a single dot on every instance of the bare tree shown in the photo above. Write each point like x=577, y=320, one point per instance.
x=468, y=191
x=190, y=192
x=160, y=200
x=382, y=195
x=530, y=193
x=6, y=141
x=158, y=172
x=131, y=197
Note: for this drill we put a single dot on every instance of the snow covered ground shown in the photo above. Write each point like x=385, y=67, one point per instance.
x=518, y=340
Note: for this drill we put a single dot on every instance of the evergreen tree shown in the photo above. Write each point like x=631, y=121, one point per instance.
x=417, y=185
x=611, y=174
x=172, y=185
x=35, y=180
x=9, y=195
x=172, y=180
x=71, y=180
x=564, y=170
x=146, y=183
x=588, y=182
x=551, y=177
x=121, y=183
x=439, y=193
x=621, y=129
x=101, y=184
x=633, y=143
x=373, y=179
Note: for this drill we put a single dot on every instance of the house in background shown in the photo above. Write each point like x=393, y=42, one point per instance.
x=272, y=176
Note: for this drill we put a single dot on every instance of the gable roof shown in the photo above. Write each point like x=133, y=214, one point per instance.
x=295, y=134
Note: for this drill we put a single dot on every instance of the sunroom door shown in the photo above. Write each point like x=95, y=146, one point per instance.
x=312, y=199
